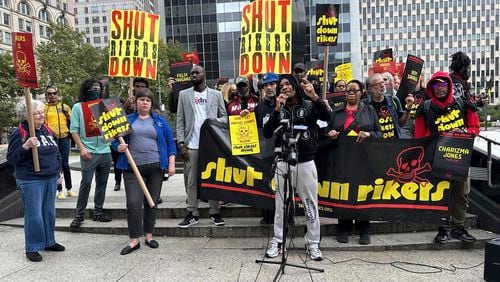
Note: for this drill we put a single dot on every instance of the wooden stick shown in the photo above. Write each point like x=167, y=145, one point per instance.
x=131, y=87
x=31, y=124
x=137, y=174
x=325, y=73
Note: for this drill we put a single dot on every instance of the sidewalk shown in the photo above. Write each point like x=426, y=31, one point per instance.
x=95, y=257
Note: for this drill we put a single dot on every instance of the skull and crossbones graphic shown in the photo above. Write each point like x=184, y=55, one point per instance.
x=22, y=63
x=409, y=166
x=244, y=133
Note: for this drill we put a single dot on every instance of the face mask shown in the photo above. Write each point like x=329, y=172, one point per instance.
x=93, y=95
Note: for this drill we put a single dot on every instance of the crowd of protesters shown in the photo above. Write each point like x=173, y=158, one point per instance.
x=153, y=147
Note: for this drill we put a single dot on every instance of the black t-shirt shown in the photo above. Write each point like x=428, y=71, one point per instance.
x=385, y=119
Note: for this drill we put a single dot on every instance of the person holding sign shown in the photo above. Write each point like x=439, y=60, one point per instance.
x=388, y=107
x=292, y=105
x=38, y=188
x=95, y=154
x=358, y=119
x=245, y=102
x=152, y=146
x=196, y=104
x=446, y=113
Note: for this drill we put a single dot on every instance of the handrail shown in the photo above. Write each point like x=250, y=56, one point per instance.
x=489, y=162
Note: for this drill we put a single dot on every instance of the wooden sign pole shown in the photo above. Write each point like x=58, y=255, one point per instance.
x=137, y=174
x=31, y=124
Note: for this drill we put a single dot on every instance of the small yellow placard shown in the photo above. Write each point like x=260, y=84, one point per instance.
x=244, y=135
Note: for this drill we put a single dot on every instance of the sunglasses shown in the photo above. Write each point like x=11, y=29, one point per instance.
x=439, y=84
x=51, y=93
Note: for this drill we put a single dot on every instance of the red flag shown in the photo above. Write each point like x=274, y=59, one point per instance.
x=24, y=59
x=191, y=56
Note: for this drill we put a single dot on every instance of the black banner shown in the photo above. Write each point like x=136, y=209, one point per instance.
x=327, y=22
x=180, y=72
x=335, y=99
x=453, y=155
x=378, y=179
x=383, y=56
x=411, y=74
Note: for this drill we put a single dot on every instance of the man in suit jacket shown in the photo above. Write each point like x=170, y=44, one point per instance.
x=196, y=104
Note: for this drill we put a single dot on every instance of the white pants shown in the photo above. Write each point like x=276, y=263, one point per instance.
x=304, y=180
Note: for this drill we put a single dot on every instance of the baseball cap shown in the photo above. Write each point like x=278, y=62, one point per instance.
x=299, y=66
x=269, y=77
x=241, y=79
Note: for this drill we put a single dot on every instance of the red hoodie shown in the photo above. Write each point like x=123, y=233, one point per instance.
x=472, y=120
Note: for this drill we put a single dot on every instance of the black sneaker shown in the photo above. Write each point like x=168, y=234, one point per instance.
x=159, y=201
x=117, y=186
x=56, y=248
x=34, y=256
x=462, y=234
x=77, y=222
x=364, y=239
x=217, y=220
x=102, y=218
x=342, y=237
x=189, y=220
x=442, y=236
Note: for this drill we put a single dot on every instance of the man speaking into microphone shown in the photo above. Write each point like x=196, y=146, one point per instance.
x=302, y=116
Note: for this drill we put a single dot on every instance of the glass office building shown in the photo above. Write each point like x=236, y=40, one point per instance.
x=212, y=28
x=434, y=30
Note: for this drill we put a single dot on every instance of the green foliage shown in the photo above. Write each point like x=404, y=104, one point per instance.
x=66, y=60
x=492, y=110
x=9, y=93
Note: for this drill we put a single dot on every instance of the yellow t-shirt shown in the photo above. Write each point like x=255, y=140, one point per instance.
x=58, y=119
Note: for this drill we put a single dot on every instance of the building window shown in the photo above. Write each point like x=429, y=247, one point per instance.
x=94, y=9
x=96, y=29
x=23, y=8
x=8, y=38
x=61, y=20
x=95, y=19
x=104, y=19
x=104, y=29
x=86, y=10
x=43, y=15
x=6, y=19
x=20, y=23
x=86, y=20
x=4, y=3
x=97, y=40
x=43, y=31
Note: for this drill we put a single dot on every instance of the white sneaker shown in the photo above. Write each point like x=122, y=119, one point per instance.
x=274, y=249
x=60, y=196
x=314, y=252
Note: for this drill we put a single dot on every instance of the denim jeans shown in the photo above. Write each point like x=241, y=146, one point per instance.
x=63, y=144
x=100, y=164
x=39, y=212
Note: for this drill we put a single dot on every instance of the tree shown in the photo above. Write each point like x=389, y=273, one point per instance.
x=66, y=60
x=10, y=93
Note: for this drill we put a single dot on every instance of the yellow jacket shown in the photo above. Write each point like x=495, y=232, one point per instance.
x=58, y=118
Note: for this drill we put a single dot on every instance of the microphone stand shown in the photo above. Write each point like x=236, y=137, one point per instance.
x=289, y=156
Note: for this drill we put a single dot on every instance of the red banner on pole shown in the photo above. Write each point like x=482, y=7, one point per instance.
x=24, y=59
x=191, y=56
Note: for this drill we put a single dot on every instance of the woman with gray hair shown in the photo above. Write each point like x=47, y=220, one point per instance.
x=38, y=188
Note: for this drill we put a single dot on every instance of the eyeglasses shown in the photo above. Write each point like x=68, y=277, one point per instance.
x=51, y=93
x=38, y=113
x=353, y=91
x=439, y=84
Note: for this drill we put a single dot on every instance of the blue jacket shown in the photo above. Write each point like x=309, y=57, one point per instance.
x=22, y=160
x=166, y=143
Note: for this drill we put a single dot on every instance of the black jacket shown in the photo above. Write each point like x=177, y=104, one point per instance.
x=306, y=113
x=366, y=119
x=264, y=108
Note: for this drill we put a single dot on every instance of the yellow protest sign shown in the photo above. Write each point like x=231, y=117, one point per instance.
x=244, y=135
x=133, y=44
x=266, y=37
x=344, y=72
